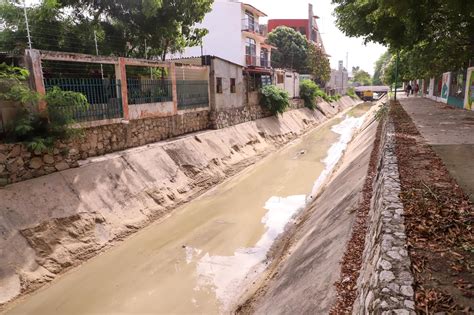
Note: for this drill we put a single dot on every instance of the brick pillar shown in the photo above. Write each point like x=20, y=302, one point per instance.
x=172, y=70
x=121, y=74
x=33, y=61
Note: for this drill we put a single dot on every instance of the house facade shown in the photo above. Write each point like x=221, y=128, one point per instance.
x=234, y=35
x=307, y=27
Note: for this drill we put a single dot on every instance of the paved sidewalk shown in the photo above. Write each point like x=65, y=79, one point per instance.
x=450, y=132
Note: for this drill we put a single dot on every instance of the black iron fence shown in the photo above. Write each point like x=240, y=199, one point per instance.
x=103, y=95
x=141, y=91
x=192, y=93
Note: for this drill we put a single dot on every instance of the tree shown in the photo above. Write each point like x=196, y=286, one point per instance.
x=292, y=49
x=436, y=35
x=380, y=67
x=361, y=77
x=318, y=65
x=122, y=27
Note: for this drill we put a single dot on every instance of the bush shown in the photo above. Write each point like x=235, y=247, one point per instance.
x=351, y=92
x=39, y=130
x=275, y=99
x=308, y=92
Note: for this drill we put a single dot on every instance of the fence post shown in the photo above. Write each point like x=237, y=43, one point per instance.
x=33, y=61
x=121, y=74
x=174, y=89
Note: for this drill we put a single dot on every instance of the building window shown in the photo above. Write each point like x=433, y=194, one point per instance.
x=280, y=78
x=264, y=62
x=232, y=85
x=219, y=85
x=251, y=25
x=250, y=52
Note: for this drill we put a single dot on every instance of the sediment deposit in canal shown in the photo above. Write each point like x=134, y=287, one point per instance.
x=301, y=277
x=55, y=222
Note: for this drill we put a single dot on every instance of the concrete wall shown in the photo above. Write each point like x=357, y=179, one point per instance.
x=139, y=111
x=67, y=217
x=227, y=71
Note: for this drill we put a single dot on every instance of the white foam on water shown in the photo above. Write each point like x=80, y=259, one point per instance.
x=227, y=273
x=346, y=129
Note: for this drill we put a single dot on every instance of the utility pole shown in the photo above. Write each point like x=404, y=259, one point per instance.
x=27, y=25
x=396, y=73
x=97, y=53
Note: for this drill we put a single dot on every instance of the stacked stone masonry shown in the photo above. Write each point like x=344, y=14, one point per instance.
x=233, y=116
x=18, y=163
x=385, y=284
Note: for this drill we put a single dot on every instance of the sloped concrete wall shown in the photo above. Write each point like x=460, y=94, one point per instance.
x=54, y=222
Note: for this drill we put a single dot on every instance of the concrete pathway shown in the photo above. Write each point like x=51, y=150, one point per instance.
x=450, y=132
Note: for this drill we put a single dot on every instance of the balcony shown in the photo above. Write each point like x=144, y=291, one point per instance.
x=253, y=61
x=264, y=63
x=250, y=25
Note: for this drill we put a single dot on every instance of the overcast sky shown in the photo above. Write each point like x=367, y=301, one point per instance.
x=335, y=42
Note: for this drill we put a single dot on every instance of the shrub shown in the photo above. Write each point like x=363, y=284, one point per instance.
x=308, y=92
x=275, y=99
x=351, y=92
x=39, y=130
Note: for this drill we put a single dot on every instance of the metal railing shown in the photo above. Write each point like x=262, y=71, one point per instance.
x=264, y=63
x=144, y=91
x=192, y=93
x=251, y=60
x=103, y=95
x=250, y=26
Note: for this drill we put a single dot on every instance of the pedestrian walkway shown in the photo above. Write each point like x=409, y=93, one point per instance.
x=450, y=132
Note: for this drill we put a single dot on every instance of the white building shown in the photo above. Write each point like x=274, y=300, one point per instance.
x=234, y=35
x=339, y=81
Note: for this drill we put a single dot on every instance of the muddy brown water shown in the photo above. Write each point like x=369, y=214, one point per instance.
x=193, y=261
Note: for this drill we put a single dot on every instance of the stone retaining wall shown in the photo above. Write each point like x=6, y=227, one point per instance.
x=18, y=163
x=385, y=284
x=233, y=116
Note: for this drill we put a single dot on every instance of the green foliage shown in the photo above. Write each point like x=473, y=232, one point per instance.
x=308, y=92
x=291, y=50
x=12, y=72
x=351, y=92
x=361, y=77
x=121, y=26
x=318, y=65
x=275, y=99
x=434, y=36
x=380, y=68
x=39, y=130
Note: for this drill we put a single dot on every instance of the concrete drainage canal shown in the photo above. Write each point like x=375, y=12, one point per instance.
x=200, y=259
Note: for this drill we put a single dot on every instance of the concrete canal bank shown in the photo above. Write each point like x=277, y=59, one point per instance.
x=52, y=223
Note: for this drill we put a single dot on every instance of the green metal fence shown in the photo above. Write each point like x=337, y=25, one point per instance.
x=192, y=93
x=143, y=91
x=103, y=95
